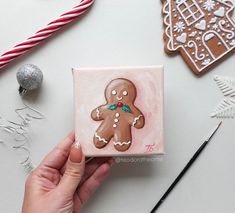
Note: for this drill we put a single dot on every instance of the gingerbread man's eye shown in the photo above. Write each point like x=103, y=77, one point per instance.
x=125, y=93
x=114, y=92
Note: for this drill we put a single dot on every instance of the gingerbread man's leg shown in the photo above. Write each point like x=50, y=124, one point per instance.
x=122, y=139
x=102, y=136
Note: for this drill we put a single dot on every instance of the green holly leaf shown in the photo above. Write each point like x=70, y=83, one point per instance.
x=126, y=108
x=112, y=107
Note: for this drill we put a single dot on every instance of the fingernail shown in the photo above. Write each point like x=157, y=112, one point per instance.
x=76, y=154
x=77, y=145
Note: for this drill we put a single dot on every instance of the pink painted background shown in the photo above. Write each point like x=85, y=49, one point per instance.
x=89, y=86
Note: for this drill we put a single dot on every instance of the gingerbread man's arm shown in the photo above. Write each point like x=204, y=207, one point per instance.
x=138, y=120
x=98, y=113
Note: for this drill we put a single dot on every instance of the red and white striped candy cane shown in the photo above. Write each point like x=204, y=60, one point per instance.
x=44, y=33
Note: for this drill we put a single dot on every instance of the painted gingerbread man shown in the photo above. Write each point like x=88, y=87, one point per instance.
x=118, y=115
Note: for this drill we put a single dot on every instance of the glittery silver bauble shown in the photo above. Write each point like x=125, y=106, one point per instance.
x=29, y=77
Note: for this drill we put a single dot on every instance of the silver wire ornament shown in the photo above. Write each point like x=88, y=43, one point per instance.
x=18, y=130
x=29, y=77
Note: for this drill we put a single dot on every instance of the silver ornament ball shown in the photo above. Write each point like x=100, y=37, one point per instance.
x=29, y=77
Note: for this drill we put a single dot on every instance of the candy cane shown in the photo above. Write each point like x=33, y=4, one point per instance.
x=45, y=33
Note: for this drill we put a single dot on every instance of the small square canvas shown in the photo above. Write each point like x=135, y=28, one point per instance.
x=119, y=110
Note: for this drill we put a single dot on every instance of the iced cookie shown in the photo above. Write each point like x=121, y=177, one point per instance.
x=201, y=31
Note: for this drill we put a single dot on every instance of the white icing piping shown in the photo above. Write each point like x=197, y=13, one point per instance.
x=121, y=143
x=187, y=7
x=98, y=113
x=230, y=32
x=192, y=44
x=136, y=119
x=100, y=139
x=221, y=39
x=167, y=21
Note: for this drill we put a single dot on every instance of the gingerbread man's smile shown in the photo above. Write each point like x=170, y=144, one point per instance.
x=119, y=98
x=114, y=92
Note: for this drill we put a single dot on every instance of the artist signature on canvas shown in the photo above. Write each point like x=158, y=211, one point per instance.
x=150, y=148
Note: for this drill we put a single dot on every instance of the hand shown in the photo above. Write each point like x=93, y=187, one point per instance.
x=62, y=183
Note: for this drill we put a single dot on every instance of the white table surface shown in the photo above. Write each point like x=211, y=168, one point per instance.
x=118, y=33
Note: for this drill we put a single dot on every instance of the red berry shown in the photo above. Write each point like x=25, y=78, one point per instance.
x=120, y=104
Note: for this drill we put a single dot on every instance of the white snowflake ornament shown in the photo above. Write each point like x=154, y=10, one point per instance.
x=226, y=108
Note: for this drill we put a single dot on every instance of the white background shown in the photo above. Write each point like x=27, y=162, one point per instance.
x=118, y=33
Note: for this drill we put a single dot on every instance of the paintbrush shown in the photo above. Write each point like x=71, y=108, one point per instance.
x=185, y=169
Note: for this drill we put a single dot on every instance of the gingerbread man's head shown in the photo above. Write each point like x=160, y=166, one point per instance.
x=120, y=90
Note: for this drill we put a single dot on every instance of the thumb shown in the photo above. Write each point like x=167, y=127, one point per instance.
x=73, y=172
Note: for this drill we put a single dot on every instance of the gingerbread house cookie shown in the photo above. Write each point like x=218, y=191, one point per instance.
x=202, y=31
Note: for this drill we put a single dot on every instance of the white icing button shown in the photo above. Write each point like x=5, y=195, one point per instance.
x=116, y=120
x=117, y=114
x=114, y=125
